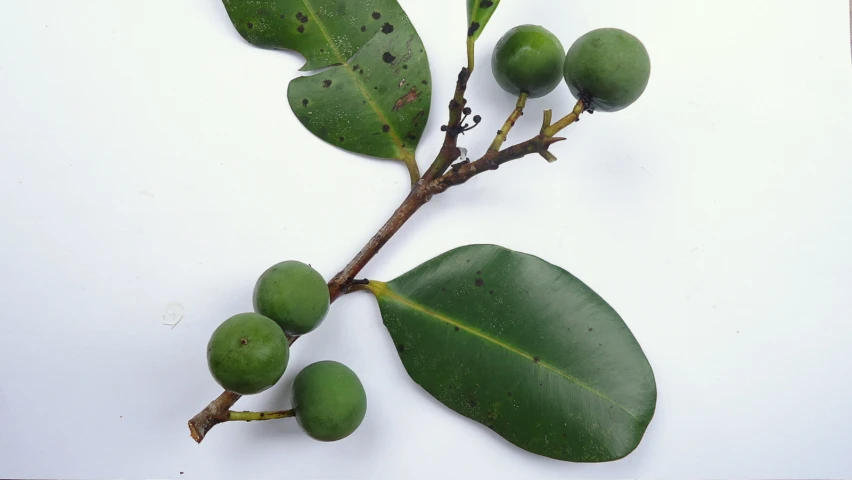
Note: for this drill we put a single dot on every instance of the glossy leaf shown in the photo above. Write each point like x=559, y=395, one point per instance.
x=523, y=347
x=375, y=98
x=478, y=14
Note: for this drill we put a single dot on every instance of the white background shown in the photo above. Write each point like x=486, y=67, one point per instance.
x=151, y=169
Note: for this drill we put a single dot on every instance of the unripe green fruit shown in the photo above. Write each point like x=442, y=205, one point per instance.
x=609, y=67
x=528, y=59
x=248, y=353
x=329, y=400
x=294, y=295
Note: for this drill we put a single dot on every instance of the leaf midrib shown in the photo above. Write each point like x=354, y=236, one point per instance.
x=344, y=62
x=383, y=289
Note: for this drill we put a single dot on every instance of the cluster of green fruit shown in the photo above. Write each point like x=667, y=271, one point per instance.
x=608, y=68
x=249, y=352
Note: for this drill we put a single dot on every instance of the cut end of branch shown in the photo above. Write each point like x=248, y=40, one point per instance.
x=215, y=413
x=548, y=156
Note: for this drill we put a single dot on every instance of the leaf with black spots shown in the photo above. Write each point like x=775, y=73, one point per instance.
x=479, y=12
x=375, y=97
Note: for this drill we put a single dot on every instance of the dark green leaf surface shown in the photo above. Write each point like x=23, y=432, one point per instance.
x=478, y=14
x=523, y=347
x=375, y=98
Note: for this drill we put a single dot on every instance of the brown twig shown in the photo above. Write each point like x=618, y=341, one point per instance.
x=449, y=150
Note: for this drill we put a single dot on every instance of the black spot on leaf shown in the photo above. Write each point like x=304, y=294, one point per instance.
x=479, y=282
x=250, y=25
x=305, y=102
x=473, y=28
x=363, y=28
x=377, y=15
x=326, y=83
x=485, y=3
x=300, y=29
x=536, y=359
x=388, y=58
x=457, y=329
x=386, y=128
x=341, y=139
x=387, y=28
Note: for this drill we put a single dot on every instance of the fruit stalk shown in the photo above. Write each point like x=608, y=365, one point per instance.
x=258, y=416
x=551, y=130
x=503, y=133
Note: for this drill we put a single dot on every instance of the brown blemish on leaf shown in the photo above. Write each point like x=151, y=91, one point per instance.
x=418, y=117
x=406, y=99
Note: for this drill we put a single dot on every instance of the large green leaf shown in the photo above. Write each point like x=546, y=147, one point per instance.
x=478, y=14
x=523, y=347
x=375, y=98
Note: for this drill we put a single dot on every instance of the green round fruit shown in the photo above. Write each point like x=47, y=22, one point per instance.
x=294, y=295
x=608, y=67
x=528, y=59
x=329, y=400
x=248, y=353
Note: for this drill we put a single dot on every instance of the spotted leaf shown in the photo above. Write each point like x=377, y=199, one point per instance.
x=375, y=97
x=478, y=14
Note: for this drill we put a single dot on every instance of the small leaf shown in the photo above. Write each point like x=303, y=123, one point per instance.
x=523, y=347
x=375, y=98
x=478, y=14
